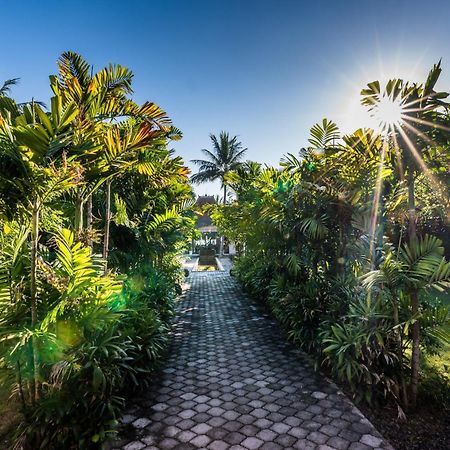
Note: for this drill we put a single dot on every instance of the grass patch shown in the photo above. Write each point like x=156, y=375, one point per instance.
x=441, y=362
x=435, y=383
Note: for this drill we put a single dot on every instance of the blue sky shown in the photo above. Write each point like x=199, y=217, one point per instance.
x=265, y=70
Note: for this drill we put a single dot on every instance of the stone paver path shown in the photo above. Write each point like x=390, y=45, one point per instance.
x=232, y=381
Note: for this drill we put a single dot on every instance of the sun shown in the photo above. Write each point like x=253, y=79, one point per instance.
x=388, y=113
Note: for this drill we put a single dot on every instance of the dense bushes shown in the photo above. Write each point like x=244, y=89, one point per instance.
x=361, y=334
x=335, y=242
x=108, y=343
x=89, y=267
x=333, y=320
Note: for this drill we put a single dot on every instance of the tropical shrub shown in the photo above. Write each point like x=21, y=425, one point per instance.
x=89, y=268
x=338, y=242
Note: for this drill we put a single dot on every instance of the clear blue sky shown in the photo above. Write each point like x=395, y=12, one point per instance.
x=266, y=70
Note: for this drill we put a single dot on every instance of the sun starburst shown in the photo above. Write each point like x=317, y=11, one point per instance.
x=388, y=113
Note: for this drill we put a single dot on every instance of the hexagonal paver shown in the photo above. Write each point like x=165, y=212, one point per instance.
x=234, y=438
x=252, y=443
x=141, y=423
x=232, y=381
x=201, y=428
x=317, y=437
x=218, y=445
x=370, y=440
x=135, y=445
x=186, y=436
x=338, y=443
x=201, y=441
x=280, y=428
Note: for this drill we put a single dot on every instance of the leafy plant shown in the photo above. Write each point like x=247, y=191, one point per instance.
x=74, y=335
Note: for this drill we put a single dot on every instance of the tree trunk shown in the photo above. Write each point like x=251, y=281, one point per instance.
x=89, y=221
x=414, y=298
x=415, y=357
x=20, y=386
x=33, y=294
x=411, y=208
x=398, y=335
x=78, y=214
x=341, y=250
x=107, y=223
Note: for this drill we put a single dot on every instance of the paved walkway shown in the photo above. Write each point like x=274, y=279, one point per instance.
x=231, y=381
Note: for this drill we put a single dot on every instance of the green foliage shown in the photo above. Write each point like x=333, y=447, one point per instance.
x=73, y=335
x=96, y=339
x=324, y=135
x=340, y=245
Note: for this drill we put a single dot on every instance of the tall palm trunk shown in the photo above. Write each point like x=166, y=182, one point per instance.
x=89, y=221
x=415, y=328
x=398, y=336
x=33, y=293
x=79, y=214
x=107, y=223
x=20, y=386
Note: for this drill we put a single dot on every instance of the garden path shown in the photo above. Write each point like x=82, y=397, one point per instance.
x=232, y=381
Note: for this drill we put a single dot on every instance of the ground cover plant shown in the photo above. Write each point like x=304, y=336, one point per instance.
x=93, y=215
x=348, y=245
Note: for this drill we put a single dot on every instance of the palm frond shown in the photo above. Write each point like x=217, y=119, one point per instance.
x=206, y=175
x=324, y=134
x=426, y=263
x=314, y=227
x=73, y=66
x=6, y=87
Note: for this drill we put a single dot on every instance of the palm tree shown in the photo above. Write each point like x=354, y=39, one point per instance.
x=98, y=96
x=226, y=156
x=416, y=266
x=410, y=114
x=102, y=100
x=139, y=147
x=33, y=143
x=241, y=179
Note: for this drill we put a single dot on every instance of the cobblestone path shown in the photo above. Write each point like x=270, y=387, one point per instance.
x=231, y=381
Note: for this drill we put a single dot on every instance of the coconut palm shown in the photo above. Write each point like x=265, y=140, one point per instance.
x=226, y=156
